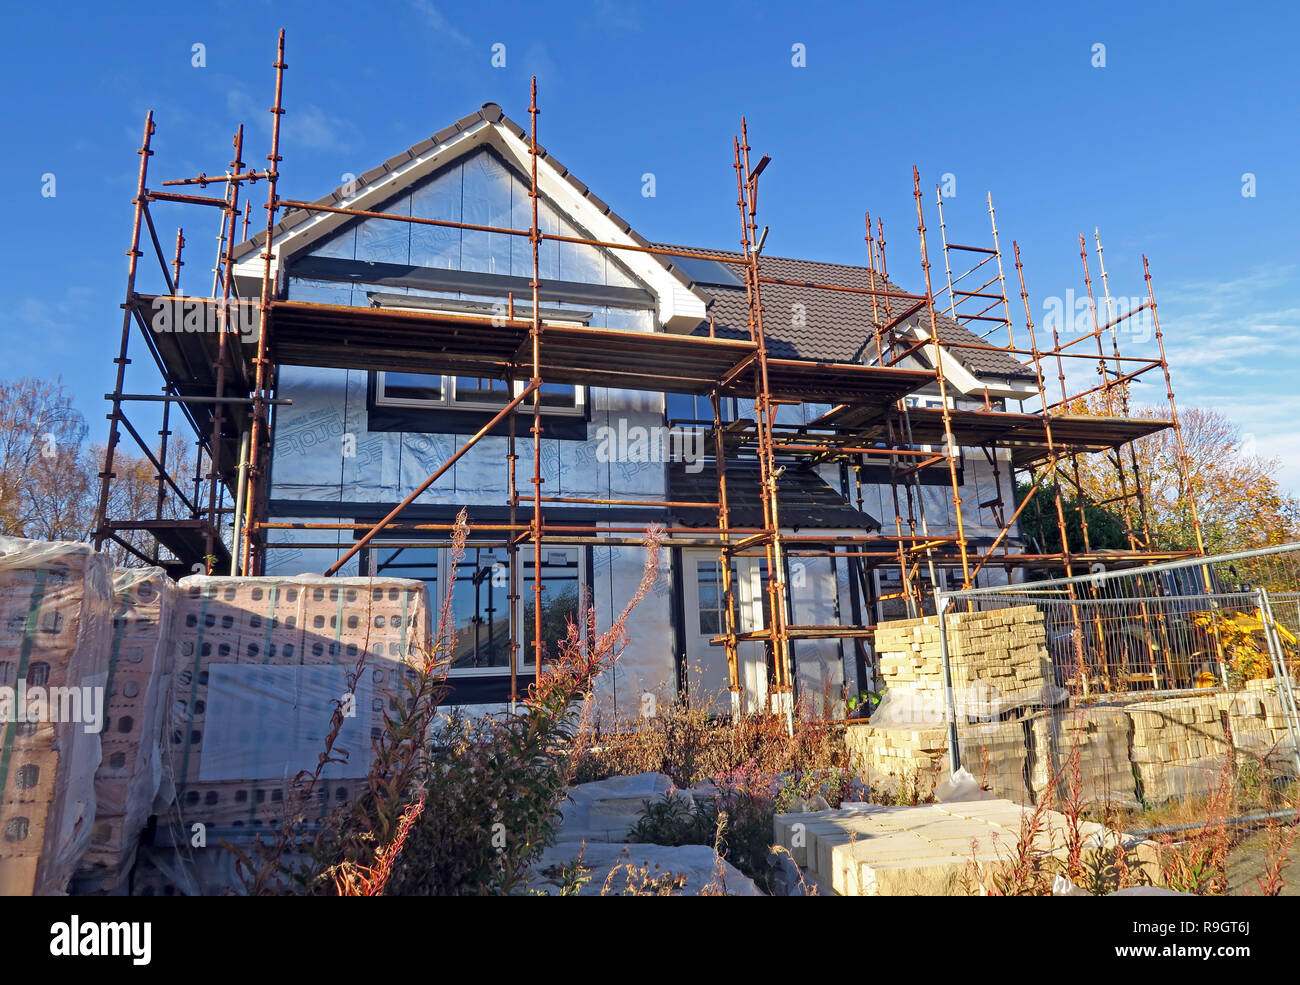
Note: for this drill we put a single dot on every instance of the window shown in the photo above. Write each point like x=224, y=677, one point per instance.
x=680, y=407
x=713, y=604
x=471, y=393
x=932, y=404
x=480, y=607
x=561, y=591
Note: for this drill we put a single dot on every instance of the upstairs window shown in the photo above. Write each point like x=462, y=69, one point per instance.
x=471, y=393
x=680, y=408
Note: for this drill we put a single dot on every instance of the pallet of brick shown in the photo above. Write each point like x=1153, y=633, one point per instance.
x=139, y=674
x=55, y=625
x=1100, y=737
x=1180, y=745
x=261, y=663
x=1259, y=728
x=998, y=658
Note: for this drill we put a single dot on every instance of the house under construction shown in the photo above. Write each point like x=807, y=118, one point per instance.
x=468, y=325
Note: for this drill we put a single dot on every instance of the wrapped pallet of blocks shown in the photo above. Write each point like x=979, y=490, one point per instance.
x=139, y=674
x=55, y=626
x=260, y=666
x=1100, y=738
x=1180, y=745
x=998, y=658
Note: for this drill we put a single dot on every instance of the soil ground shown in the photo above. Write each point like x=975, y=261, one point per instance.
x=1247, y=861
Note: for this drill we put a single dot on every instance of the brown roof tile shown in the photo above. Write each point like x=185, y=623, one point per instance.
x=808, y=323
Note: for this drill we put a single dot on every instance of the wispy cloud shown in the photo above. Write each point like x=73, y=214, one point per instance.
x=307, y=125
x=435, y=20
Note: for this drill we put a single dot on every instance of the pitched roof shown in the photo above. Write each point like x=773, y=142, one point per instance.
x=490, y=113
x=835, y=324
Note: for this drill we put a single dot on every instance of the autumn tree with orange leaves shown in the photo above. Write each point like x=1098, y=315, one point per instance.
x=1237, y=495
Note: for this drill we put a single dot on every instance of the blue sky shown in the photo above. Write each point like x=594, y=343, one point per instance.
x=1152, y=147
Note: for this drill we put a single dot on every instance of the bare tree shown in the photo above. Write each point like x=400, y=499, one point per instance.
x=43, y=486
x=49, y=476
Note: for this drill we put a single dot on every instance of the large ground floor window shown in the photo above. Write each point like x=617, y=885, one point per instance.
x=481, y=606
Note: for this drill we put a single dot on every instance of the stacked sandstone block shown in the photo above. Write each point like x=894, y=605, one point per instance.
x=912, y=758
x=55, y=604
x=1259, y=727
x=1180, y=745
x=139, y=673
x=260, y=664
x=998, y=657
x=898, y=755
x=1100, y=737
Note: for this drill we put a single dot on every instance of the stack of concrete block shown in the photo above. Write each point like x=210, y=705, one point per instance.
x=1180, y=745
x=935, y=849
x=139, y=674
x=55, y=624
x=998, y=658
x=910, y=758
x=1259, y=727
x=261, y=664
x=1101, y=737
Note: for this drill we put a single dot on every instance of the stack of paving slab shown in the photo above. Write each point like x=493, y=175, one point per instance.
x=1180, y=745
x=55, y=625
x=998, y=658
x=1100, y=737
x=933, y=849
x=139, y=674
x=261, y=665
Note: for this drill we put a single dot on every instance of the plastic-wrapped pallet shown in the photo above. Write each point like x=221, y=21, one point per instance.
x=55, y=626
x=139, y=673
x=1180, y=745
x=261, y=663
x=1102, y=737
x=998, y=658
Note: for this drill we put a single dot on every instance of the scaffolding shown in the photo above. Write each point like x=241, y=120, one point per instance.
x=223, y=384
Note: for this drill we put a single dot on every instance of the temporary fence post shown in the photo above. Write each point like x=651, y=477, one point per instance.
x=941, y=600
x=1284, y=690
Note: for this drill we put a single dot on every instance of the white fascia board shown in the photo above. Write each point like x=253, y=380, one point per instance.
x=679, y=309
x=956, y=373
